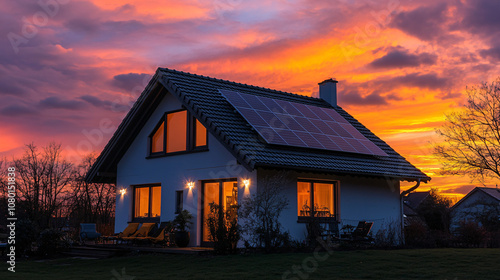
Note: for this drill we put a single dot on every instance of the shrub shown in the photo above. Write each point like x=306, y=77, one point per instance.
x=51, y=242
x=388, y=236
x=417, y=235
x=262, y=211
x=26, y=232
x=471, y=233
x=223, y=228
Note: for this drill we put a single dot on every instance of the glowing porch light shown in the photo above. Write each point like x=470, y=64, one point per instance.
x=246, y=183
x=123, y=192
x=190, y=185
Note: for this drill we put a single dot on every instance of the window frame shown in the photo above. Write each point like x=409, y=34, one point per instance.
x=336, y=200
x=190, y=136
x=145, y=219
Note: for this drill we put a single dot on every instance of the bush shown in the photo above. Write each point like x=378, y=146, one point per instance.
x=388, y=236
x=51, y=242
x=223, y=228
x=417, y=235
x=26, y=233
x=262, y=211
x=471, y=234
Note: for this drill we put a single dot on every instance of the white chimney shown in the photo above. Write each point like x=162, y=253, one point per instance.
x=328, y=91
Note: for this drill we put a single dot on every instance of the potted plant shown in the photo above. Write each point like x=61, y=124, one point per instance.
x=182, y=222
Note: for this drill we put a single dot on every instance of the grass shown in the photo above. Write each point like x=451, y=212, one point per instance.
x=452, y=264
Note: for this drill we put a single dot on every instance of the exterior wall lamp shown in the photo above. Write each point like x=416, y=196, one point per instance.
x=190, y=185
x=246, y=183
x=123, y=191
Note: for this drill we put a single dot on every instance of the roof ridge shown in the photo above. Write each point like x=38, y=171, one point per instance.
x=242, y=84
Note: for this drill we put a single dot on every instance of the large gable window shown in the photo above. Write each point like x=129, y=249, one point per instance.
x=177, y=132
x=147, y=202
x=317, y=199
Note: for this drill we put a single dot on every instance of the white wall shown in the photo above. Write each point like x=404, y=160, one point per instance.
x=172, y=172
x=370, y=199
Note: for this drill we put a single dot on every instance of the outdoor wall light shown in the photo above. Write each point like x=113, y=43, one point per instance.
x=190, y=185
x=246, y=183
x=123, y=192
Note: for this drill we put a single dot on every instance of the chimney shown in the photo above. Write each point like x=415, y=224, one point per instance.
x=328, y=91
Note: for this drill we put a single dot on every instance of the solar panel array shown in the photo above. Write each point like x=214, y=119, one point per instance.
x=294, y=124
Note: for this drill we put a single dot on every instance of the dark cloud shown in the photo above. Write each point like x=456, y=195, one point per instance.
x=429, y=81
x=481, y=16
x=355, y=98
x=55, y=102
x=399, y=58
x=425, y=23
x=105, y=104
x=493, y=53
x=16, y=110
x=129, y=81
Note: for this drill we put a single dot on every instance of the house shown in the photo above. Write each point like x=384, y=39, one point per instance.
x=190, y=140
x=479, y=205
x=411, y=202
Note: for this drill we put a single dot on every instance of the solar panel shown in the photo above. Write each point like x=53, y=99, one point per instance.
x=294, y=124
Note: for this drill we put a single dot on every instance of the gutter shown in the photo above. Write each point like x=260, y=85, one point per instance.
x=401, y=197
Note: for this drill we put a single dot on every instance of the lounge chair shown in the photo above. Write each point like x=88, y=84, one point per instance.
x=128, y=231
x=362, y=230
x=163, y=235
x=88, y=232
x=143, y=231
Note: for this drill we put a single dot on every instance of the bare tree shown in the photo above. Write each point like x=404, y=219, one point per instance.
x=42, y=181
x=92, y=202
x=472, y=135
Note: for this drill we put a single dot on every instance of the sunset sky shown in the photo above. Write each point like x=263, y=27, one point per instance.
x=70, y=70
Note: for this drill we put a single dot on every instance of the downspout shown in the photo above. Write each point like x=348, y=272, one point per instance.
x=401, y=197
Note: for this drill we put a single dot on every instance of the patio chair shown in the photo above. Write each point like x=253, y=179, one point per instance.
x=128, y=231
x=163, y=235
x=88, y=232
x=361, y=232
x=143, y=231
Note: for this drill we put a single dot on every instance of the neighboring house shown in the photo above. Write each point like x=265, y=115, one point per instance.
x=190, y=140
x=411, y=202
x=478, y=203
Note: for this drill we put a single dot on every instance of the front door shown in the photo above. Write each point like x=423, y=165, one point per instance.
x=220, y=192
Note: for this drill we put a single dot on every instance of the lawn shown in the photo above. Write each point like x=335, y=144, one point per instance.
x=448, y=264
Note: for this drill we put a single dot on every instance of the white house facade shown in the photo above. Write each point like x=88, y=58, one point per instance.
x=190, y=140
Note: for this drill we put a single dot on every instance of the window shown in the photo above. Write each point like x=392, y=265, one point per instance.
x=317, y=199
x=179, y=196
x=177, y=132
x=147, y=202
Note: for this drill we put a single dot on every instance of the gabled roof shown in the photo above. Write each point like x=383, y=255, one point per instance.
x=414, y=199
x=493, y=192
x=200, y=95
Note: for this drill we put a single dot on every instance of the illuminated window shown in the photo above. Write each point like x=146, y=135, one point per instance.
x=147, y=202
x=157, y=140
x=178, y=132
x=317, y=199
x=200, y=134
